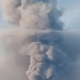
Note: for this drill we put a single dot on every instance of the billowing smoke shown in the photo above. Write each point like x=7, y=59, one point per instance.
x=38, y=34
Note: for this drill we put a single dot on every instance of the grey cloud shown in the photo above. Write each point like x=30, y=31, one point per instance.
x=39, y=42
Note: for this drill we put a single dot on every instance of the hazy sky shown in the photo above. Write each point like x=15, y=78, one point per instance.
x=71, y=17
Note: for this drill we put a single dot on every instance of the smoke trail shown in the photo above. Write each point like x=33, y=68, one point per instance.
x=38, y=35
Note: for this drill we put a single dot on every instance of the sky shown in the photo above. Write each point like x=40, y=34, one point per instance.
x=3, y=23
x=71, y=16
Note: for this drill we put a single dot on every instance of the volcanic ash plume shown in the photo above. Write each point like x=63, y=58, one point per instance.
x=36, y=34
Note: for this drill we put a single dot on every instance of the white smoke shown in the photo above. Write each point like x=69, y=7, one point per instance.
x=38, y=34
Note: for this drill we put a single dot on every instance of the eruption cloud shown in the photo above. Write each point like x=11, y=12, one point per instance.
x=38, y=34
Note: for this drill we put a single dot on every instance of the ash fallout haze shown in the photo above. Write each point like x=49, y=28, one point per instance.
x=37, y=47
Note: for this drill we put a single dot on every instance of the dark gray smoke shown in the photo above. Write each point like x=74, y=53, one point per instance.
x=38, y=42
